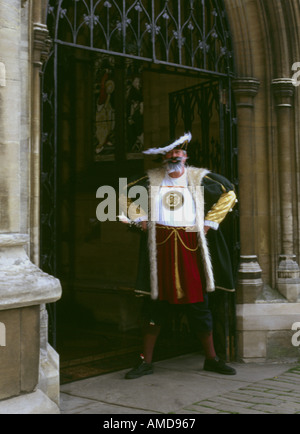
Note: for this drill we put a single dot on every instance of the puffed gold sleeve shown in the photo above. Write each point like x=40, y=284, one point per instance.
x=220, y=209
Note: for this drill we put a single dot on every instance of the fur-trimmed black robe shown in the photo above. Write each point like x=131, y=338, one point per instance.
x=217, y=269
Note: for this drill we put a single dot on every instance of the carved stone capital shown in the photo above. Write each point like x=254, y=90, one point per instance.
x=288, y=278
x=41, y=43
x=283, y=89
x=250, y=283
x=245, y=89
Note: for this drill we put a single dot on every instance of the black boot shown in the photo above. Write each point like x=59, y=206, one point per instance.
x=219, y=366
x=142, y=368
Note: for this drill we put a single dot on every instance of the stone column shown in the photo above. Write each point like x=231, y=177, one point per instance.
x=49, y=359
x=288, y=273
x=10, y=105
x=249, y=283
x=40, y=50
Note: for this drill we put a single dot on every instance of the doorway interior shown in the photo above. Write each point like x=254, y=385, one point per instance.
x=100, y=108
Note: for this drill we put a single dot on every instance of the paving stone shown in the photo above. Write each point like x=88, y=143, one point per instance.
x=253, y=400
x=283, y=394
x=250, y=411
x=278, y=385
x=292, y=377
x=226, y=400
x=291, y=406
x=227, y=408
x=288, y=382
x=271, y=410
x=258, y=393
x=258, y=388
x=201, y=409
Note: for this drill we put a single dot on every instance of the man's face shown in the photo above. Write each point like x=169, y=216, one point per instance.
x=175, y=160
x=176, y=155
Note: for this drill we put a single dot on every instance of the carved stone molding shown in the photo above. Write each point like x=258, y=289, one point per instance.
x=250, y=283
x=22, y=283
x=288, y=278
x=245, y=90
x=41, y=44
x=288, y=268
x=283, y=89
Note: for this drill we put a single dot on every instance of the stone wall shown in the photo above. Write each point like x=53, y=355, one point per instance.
x=24, y=288
x=266, y=44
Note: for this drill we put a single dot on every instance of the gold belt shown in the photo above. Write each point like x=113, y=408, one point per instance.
x=175, y=231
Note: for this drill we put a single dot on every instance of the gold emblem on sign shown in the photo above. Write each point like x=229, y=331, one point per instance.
x=173, y=200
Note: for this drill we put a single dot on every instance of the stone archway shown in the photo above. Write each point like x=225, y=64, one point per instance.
x=266, y=43
x=266, y=46
x=212, y=57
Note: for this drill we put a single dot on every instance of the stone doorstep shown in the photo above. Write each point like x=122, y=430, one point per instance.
x=32, y=403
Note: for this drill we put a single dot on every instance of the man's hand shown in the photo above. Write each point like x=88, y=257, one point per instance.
x=123, y=219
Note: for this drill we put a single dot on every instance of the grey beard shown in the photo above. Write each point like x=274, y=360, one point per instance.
x=174, y=167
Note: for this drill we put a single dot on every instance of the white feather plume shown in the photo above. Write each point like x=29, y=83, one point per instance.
x=154, y=151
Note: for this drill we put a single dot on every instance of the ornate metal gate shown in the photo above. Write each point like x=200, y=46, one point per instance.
x=189, y=35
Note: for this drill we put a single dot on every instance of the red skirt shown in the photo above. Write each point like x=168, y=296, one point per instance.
x=179, y=280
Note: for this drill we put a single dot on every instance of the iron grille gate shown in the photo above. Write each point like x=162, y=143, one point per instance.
x=192, y=35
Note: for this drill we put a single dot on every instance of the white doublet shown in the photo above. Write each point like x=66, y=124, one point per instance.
x=174, y=203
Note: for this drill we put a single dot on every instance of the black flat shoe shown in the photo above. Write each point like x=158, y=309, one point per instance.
x=219, y=366
x=141, y=369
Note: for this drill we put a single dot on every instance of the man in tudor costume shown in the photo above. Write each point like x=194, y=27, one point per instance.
x=177, y=267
